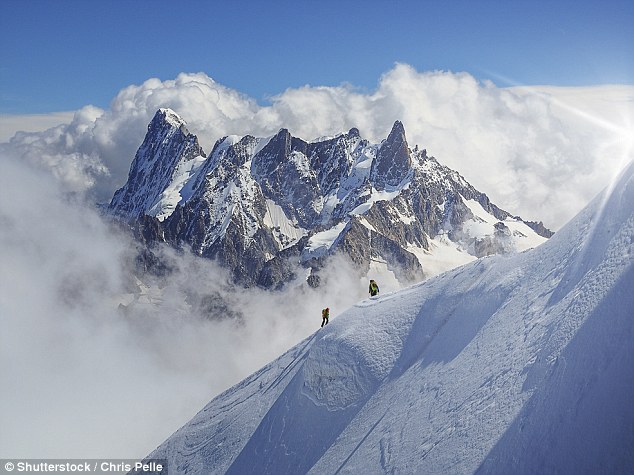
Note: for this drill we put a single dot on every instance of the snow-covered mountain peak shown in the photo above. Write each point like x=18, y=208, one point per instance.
x=170, y=117
x=519, y=363
x=166, y=160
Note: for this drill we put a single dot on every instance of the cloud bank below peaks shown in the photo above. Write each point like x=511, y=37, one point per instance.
x=92, y=350
x=532, y=153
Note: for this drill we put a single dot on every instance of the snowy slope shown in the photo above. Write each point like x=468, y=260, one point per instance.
x=520, y=363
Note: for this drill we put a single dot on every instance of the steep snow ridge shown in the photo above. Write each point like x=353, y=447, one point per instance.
x=470, y=404
x=177, y=191
x=201, y=446
x=488, y=340
x=285, y=231
x=520, y=235
x=260, y=144
x=375, y=196
x=520, y=363
x=587, y=358
x=321, y=242
x=442, y=255
x=346, y=364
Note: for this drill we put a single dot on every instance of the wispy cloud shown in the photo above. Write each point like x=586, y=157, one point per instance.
x=96, y=363
x=10, y=124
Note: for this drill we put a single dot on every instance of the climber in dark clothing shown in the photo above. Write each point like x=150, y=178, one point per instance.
x=325, y=314
x=374, y=288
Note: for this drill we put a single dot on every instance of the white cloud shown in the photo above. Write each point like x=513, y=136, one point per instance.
x=530, y=154
x=83, y=378
x=10, y=124
x=68, y=151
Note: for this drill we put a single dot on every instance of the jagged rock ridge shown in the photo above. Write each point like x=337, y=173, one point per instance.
x=266, y=207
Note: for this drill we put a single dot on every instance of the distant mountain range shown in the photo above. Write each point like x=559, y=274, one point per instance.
x=276, y=208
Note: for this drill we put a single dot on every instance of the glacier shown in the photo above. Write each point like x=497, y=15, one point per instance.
x=515, y=363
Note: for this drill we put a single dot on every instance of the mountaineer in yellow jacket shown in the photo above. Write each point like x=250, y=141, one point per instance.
x=374, y=288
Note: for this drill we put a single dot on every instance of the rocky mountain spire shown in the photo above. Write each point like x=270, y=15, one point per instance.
x=393, y=160
x=166, y=146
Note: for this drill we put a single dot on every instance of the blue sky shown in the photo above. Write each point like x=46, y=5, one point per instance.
x=62, y=55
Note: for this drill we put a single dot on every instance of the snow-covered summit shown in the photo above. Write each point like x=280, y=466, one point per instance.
x=518, y=363
x=171, y=117
x=168, y=157
x=264, y=207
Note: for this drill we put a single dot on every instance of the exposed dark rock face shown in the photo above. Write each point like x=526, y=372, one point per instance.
x=539, y=228
x=393, y=161
x=167, y=144
x=283, y=171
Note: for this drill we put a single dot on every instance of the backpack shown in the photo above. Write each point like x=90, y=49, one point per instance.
x=374, y=288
